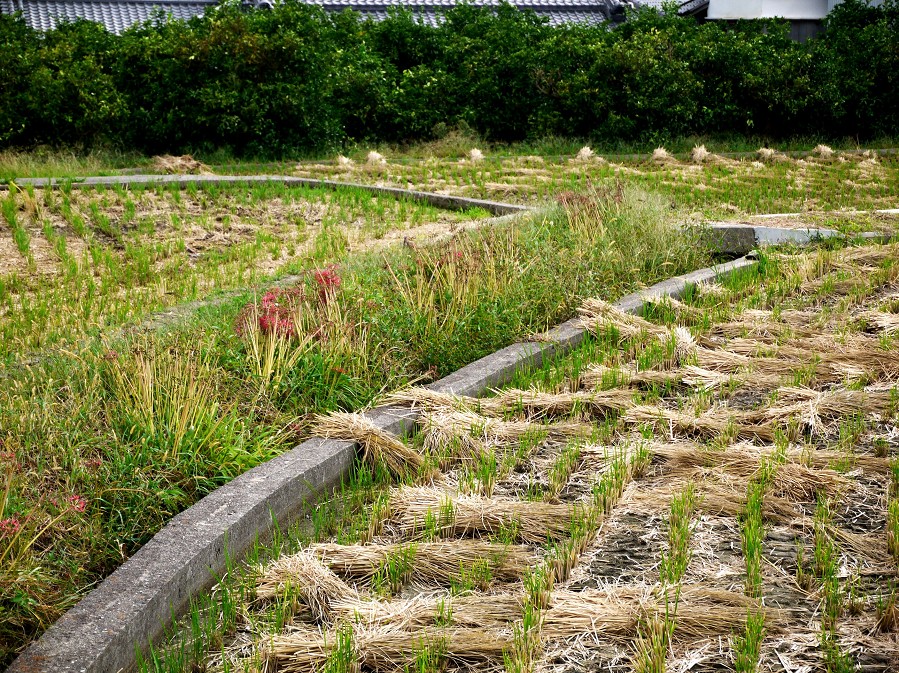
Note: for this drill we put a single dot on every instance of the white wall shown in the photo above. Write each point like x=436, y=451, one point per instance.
x=757, y=9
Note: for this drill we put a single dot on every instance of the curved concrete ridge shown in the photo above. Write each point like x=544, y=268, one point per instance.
x=136, y=602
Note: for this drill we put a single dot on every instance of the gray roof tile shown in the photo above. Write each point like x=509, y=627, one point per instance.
x=117, y=15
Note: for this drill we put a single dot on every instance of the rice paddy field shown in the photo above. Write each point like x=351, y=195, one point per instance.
x=157, y=342
x=713, y=185
x=710, y=487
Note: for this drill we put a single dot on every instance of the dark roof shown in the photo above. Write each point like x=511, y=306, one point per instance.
x=117, y=15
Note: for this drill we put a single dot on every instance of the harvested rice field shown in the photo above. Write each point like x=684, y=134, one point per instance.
x=112, y=256
x=715, y=186
x=713, y=486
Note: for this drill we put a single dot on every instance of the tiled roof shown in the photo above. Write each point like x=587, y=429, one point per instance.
x=117, y=15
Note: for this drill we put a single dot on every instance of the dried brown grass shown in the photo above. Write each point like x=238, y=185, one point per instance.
x=386, y=648
x=713, y=498
x=888, y=323
x=167, y=163
x=536, y=404
x=456, y=516
x=305, y=576
x=431, y=562
x=616, y=612
x=793, y=480
x=715, y=422
x=423, y=610
x=595, y=314
x=377, y=445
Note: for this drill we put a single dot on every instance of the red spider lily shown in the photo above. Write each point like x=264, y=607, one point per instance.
x=327, y=280
x=77, y=502
x=10, y=526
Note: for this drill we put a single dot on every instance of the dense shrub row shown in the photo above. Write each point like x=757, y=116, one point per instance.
x=296, y=79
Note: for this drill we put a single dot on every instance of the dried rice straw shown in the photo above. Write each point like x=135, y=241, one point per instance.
x=387, y=647
x=377, y=445
x=423, y=610
x=317, y=586
x=431, y=562
x=454, y=515
x=594, y=313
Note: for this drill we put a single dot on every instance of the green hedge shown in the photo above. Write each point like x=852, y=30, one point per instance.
x=296, y=79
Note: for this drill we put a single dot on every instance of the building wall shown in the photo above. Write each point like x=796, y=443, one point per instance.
x=758, y=9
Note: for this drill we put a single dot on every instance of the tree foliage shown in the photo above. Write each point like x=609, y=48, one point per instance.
x=294, y=78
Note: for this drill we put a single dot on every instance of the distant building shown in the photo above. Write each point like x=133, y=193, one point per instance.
x=804, y=15
x=117, y=15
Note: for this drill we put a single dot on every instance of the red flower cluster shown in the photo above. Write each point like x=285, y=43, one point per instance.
x=327, y=280
x=78, y=502
x=10, y=526
x=275, y=311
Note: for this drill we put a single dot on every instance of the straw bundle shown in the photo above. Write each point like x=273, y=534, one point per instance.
x=600, y=377
x=377, y=445
x=662, y=156
x=714, y=499
x=715, y=422
x=469, y=434
x=423, y=610
x=426, y=398
x=388, y=647
x=791, y=481
x=313, y=583
x=432, y=562
x=836, y=403
x=538, y=404
x=888, y=323
x=606, y=612
x=474, y=515
x=617, y=612
x=594, y=313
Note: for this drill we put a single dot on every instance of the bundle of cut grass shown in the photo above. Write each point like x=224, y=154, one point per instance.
x=714, y=499
x=423, y=610
x=429, y=562
x=888, y=323
x=466, y=435
x=792, y=480
x=617, y=612
x=833, y=404
x=306, y=576
x=600, y=377
x=167, y=163
x=823, y=152
x=715, y=422
x=703, y=612
x=377, y=446
x=662, y=156
x=375, y=159
x=384, y=647
x=425, y=512
x=536, y=404
x=610, y=613
x=431, y=399
x=585, y=154
x=700, y=155
x=596, y=313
